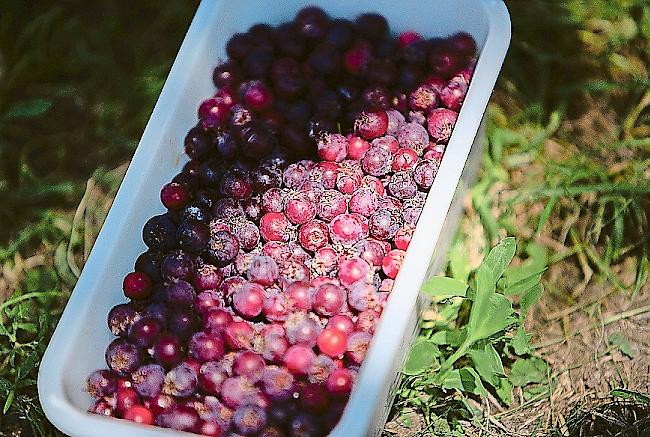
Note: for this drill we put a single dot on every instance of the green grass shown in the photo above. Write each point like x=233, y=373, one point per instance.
x=567, y=160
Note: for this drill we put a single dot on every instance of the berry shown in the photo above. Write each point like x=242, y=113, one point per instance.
x=363, y=201
x=159, y=233
x=300, y=296
x=404, y=159
x=273, y=200
x=403, y=237
x=395, y=121
x=207, y=277
x=377, y=161
x=236, y=184
x=101, y=383
x=352, y=271
x=276, y=306
x=179, y=293
x=174, y=196
x=356, y=58
x=340, y=382
x=177, y=265
x=239, y=335
x=342, y=323
x=328, y=299
x=332, y=147
x=126, y=398
x=103, y=408
x=367, y=321
x=358, y=343
x=249, y=419
x=274, y=347
x=304, y=425
x=144, y=332
x=301, y=329
x=193, y=236
x=210, y=428
x=332, y=342
x=313, y=235
x=178, y=417
x=237, y=391
x=148, y=380
x=370, y=125
x=349, y=177
x=120, y=317
x=392, y=262
x=357, y=147
x=363, y=296
x=440, y=123
x=386, y=142
x=295, y=175
x=299, y=209
x=137, y=286
x=385, y=223
x=183, y=322
x=168, y=350
x=139, y=414
x=205, y=347
x=222, y=248
x=263, y=270
x=216, y=320
x=462, y=43
x=348, y=228
x=298, y=359
x=293, y=271
x=211, y=376
x=248, y=301
x=257, y=96
x=123, y=357
x=181, y=381
x=325, y=261
x=313, y=398
x=274, y=227
x=196, y=144
x=402, y=185
x=332, y=204
x=249, y=364
x=453, y=94
x=413, y=136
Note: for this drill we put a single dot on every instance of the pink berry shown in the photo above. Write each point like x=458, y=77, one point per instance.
x=273, y=200
x=352, y=271
x=325, y=261
x=313, y=235
x=349, y=177
x=139, y=414
x=300, y=296
x=263, y=270
x=363, y=201
x=332, y=147
x=403, y=237
x=239, y=335
x=342, y=323
x=332, y=342
x=453, y=94
x=425, y=173
x=248, y=301
x=214, y=112
x=298, y=359
x=392, y=262
x=402, y=185
x=441, y=122
x=372, y=251
x=357, y=147
x=377, y=161
x=348, y=228
x=404, y=159
x=385, y=287
x=424, y=98
x=387, y=142
x=206, y=347
x=340, y=382
x=375, y=184
x=367, y=321
x=274, y=226
x=328, y=299
x=370, y=125
x=299, y=209
x=363, y=296
x=249, y=364
x=358, y=343
x=302, y=329
x=395, y=121
x=276, y=306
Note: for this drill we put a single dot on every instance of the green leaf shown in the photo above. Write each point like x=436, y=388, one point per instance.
x=442, y=287
x=504, y=391
x=8, y=402
x=423, y=355
x=465, y=380
x=528, y=371
x=499, y=257
x=487, y=363
x=620, y=340
x=630, y=394
x=459, y=262
x=530, y=298
x=520, y=342
x=28, y=109
x=523, y=285
x=489, y=316
x=452, y=338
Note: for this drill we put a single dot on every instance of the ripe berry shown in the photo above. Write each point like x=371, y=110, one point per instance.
x=236, y=184
x=148, y=380
x=384, y=223
x=178, y=417
x=413, y=136
x=363, y=201
x=324, y=262
x=237, y=391
x=248, y=301
x=462, y=43
x=205, y=347
x=249, y=419
x=352, y=271
x=139, y=414
x=174, y=196
x=263, y=270
x=179, y=293
x=340, y=382
x=357, y=147
x=300, y=296
x=216, y=320
x=123, y=357
x=257, y=96
x=392, y=262
x=377, y=161
x=168, y=350
x=222, y=248
x=101, y=383
x=367, y=321
x=370, y=125
x=453, y=94
x=402, y=185
x=342, y=323
x=301, y=329
x=298, y=359
x=299, y=209
x=404, y=159
x=332, y=342
x=181, y=381
x=239, y=335
x=348, y=228
x=137, y=286
x=249, y=364
x=332, y=147
x=363, y=296
x=159, y=233
x=403, y=237
x=274, y=227
x=277, y=383
x=144, y=332
x=328, y=299
x=193, y=236
x=358, y=343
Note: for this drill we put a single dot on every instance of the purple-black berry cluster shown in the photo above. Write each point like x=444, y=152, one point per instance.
x=253, y=308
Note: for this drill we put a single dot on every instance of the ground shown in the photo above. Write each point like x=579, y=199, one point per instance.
x=566, y=169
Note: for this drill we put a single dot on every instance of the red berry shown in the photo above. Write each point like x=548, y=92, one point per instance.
x=137, y=286
x=440, y=123
x=248, y=301
x=139, y=414
x=403, y=236
x=348, y=228
x=357, y=147
x=353, y=270
x=174, y=195
x=257, y=96
x=298, y=359
x=274, y=226
x=371, y=125
x=341, y=322
x=340, y=382
x=392, y=262
x=313, y=235
x=404, y=159
x=299, y=209
x=328, y=299
x=332, y=147
x=300, y=296
x=332, y=342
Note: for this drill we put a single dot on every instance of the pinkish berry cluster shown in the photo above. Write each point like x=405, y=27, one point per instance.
x=255, y=304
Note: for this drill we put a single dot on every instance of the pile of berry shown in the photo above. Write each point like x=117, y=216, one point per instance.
x=255, y=304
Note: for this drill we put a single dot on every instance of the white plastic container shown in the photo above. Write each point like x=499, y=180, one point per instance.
x=78, y=344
